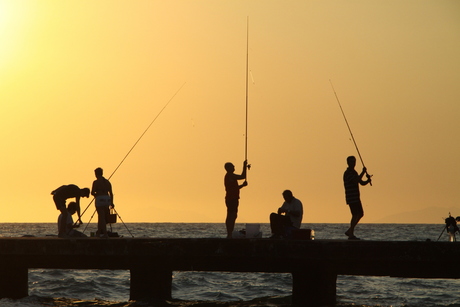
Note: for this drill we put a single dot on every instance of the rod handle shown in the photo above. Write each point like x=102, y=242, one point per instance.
x=369, y=177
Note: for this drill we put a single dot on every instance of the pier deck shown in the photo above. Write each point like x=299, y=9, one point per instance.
x=314, y=265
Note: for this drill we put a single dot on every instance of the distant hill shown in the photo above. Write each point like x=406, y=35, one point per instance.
x=429, y=215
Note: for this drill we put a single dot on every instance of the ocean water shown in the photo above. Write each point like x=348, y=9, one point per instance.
x=111, y=287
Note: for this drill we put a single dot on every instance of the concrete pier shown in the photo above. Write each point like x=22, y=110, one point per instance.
x=314, y=265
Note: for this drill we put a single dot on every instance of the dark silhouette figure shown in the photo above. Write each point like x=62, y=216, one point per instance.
x=451, y=227
x=232, y=195
x=351, y=181
x=102, y=191
x=69, y=225
x=61, y=194
x=288, y=218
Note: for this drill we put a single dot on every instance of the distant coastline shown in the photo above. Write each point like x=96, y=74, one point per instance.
x=429, y=215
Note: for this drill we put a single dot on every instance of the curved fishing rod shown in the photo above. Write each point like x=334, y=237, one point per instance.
x=351, y=133
x=151, y=123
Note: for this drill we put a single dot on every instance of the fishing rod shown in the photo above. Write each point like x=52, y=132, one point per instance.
x=247, y=94
x=351, y=133
x=145, y=131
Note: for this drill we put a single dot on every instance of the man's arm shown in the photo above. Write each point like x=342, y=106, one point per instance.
x=362, y=173
x=93, y=188
x=77, y=200
x=243, y=174
x=282, y=209
x=361, y=181
x=245, y=183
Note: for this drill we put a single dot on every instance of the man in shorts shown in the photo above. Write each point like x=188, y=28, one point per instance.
x=102, y=191
x=232, y=195
x=351, y=181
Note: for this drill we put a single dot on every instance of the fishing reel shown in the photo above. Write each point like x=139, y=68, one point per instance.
x=369, y=177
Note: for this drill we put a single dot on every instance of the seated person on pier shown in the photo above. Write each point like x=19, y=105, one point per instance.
x=288, y=218
x=68, y=221
x=60, y=196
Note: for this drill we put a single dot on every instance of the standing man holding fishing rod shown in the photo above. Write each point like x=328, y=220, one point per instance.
x=232, y=195
x=124, y=158
x=232, y=187
x=351, y=181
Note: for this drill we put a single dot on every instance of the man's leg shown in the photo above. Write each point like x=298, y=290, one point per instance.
x=276, y=224
x=279, y=224
x=357, y=213
x=232, y=214
x=63, y=226
x=230, y=223
x=101, y=221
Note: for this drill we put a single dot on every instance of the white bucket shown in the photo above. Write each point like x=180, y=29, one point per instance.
x=253, y=231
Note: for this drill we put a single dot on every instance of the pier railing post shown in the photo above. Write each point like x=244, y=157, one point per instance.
x=13, y=281
x=149, y=283
x=314, y=287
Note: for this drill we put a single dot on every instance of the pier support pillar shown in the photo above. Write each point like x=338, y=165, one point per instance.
x=13, y=281
x=149, y=283
x=315, y=287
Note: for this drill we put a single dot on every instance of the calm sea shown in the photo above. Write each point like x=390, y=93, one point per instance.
x=110, y=288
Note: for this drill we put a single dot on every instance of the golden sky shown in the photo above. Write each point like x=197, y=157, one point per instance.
x=80, y=81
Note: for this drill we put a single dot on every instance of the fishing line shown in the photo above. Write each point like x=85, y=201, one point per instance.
x=124, y=158
x=161, y=111
x=91, y=218
x=349, y=129
x=123, y=222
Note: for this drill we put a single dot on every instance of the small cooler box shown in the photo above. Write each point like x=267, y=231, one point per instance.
x=303, y=234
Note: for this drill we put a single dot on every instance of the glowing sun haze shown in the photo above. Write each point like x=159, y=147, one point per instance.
x=80, y=81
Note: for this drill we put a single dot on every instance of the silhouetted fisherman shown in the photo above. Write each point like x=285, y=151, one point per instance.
x=451, y=227
x=61, y=194
x=102, y=191
x=70, y=226
x=351, y=181
x=232, y=195
x=288, y=218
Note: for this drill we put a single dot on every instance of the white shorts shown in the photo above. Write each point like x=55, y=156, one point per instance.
x=103, y=200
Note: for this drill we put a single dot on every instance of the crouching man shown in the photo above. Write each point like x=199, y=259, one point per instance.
x=66, y=221
x=288, y=218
